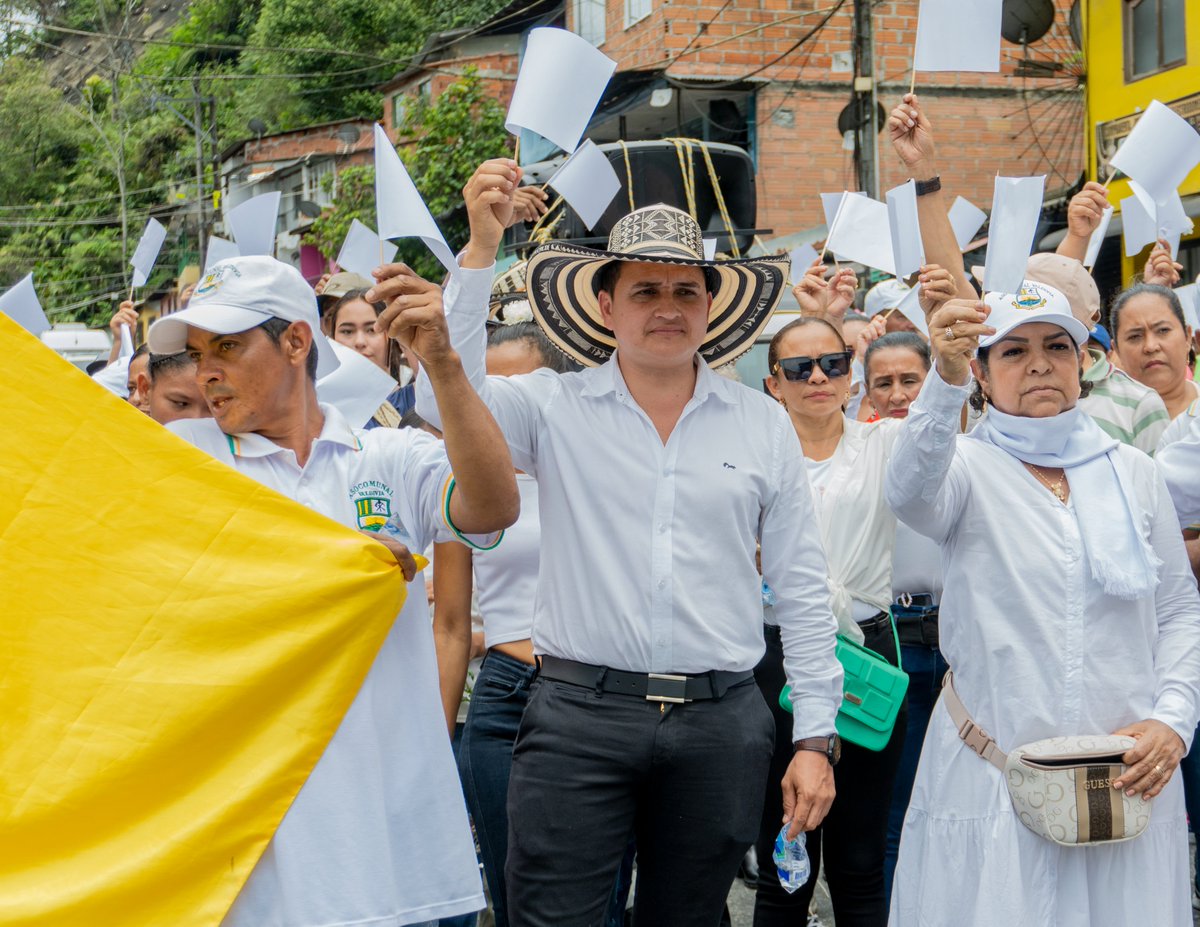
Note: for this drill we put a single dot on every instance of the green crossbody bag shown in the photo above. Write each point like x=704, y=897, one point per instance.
x=872, y=694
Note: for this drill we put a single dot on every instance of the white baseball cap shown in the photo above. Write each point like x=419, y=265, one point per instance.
x=887, y=294
x=1034, y=302
x=238, y=294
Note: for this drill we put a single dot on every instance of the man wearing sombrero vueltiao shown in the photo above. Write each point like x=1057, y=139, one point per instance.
x=658, y=480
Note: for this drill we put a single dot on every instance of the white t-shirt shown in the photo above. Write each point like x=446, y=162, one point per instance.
x=858, y=530
x=506, y=576
x=378, y=834
x=916, y=564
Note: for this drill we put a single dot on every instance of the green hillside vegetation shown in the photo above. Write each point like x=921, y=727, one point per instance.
x=86, y=163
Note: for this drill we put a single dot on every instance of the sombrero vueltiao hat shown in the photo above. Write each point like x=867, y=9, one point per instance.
x=508, y=293
x=563, y=281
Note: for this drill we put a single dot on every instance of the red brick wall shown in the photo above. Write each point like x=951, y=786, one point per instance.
x=498, y=74
x=315, y=140
x=979, y=119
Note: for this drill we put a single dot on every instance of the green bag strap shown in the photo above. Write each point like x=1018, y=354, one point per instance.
x=896, y=638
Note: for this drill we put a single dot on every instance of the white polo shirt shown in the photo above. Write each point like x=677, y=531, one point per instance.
x=648, y=549
x=378, y=834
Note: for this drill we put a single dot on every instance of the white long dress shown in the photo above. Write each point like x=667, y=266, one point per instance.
x=1037, y=650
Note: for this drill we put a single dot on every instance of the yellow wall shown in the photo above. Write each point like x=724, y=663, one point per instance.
x=1109, y=97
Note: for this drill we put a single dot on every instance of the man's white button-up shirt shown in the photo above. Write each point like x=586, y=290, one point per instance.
x=648, y=549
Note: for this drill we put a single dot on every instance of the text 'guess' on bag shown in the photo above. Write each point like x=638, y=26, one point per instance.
x=1061, y=787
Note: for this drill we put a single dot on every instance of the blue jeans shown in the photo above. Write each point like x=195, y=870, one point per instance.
x=1190, y=768
x=459, y=920
x=485, y=760
x=925, y=668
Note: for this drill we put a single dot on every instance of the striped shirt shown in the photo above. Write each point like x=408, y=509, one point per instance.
x=1128, y=411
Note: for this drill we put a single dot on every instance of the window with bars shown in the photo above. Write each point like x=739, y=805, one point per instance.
x=637, y=10
x=1155, y=36
x=590, y=20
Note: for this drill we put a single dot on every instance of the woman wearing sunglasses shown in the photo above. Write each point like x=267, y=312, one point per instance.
x=1069, y=609
x=810, y=376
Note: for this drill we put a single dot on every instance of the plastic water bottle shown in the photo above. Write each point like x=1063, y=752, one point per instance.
x=791, y=860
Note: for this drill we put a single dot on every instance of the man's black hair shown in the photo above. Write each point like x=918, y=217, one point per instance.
x=275, y=328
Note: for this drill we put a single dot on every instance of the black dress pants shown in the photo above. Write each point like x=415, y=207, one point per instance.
x=593, y=769
x=851, y=842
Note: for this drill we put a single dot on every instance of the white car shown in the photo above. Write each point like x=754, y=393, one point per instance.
x=78, y=343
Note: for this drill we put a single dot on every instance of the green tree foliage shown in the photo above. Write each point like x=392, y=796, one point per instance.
x=355, y=200
x=84, y=168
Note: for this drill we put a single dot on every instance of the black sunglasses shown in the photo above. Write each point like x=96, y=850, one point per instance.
x=834, y=364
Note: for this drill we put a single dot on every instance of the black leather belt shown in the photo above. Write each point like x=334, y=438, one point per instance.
x=876, y=623
x=654, y=687
x=917, y=627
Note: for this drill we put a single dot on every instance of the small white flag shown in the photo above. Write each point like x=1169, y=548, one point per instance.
x=401, y=211
x=146, y=255
x=861, y=233
x=1137, y=225
x=1159, y=152
x=253, y=222
x=802, y=258
x=966, y=219
x=1016, y=210
x=357, y=388
x=910, y=308
x=219, y=249
x=908, y=254
x=363, y=250
x=20, y=303
x=561, y=81
x=588, y=182
x=1097, y=239
x=958, y=35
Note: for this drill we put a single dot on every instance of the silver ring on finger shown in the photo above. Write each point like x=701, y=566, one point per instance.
x=950, y=336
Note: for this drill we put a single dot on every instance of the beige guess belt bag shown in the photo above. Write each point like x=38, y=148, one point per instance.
x=1061, y=788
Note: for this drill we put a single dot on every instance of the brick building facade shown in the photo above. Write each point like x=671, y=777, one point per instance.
x=982, y=121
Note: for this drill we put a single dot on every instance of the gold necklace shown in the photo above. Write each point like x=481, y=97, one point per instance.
x=1058, y=487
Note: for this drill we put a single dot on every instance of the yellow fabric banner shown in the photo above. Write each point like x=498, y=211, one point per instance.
x=177, y=646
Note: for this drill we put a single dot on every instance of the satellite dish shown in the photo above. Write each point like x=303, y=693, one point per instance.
x=257, y=126
x=1026, y=21
x=309, y=208
x=349, y=134
x=854, y=114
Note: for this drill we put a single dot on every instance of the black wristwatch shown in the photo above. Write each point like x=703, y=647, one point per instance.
x=830, y=745
x=932, y=185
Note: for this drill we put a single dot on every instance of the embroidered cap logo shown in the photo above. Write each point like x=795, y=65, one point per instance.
x=1029, y=298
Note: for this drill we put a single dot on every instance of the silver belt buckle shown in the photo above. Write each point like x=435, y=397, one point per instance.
x=661, y=687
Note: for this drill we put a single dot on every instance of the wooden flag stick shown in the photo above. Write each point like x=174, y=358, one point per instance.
x=912, y=84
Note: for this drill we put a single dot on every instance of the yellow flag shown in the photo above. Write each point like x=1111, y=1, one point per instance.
x=177, y=646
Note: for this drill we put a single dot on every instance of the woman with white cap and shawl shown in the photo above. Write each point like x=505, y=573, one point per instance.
x=1068, y=609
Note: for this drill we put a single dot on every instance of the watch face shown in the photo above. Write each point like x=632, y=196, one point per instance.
x=835, y=749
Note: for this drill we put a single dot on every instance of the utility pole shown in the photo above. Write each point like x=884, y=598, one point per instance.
x=196, y=124
x=866, y=128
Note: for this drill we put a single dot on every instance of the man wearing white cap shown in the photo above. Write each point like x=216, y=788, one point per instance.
x=378, y=834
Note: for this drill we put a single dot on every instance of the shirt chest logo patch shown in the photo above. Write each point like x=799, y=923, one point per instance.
x=372, y=504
